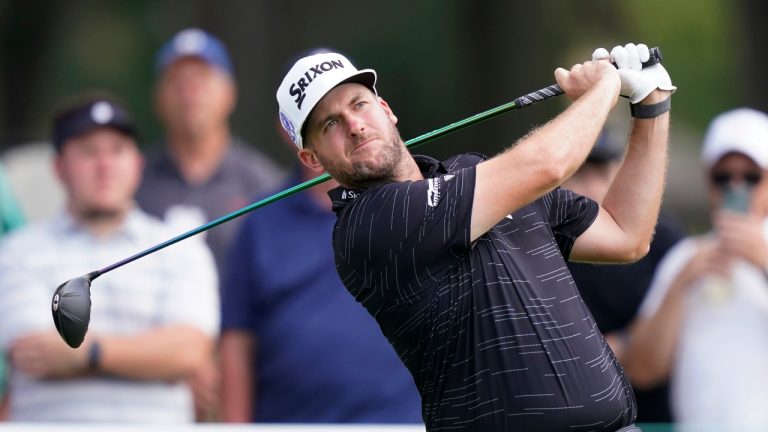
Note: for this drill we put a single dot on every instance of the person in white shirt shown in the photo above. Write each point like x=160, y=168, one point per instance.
x=704, y=321
x=153, y=324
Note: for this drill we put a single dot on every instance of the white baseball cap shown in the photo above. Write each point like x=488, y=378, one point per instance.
x=308, y=81
x=742, y=130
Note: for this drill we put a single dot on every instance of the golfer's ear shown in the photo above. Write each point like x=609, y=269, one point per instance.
x=388, y=110
x=308, y=158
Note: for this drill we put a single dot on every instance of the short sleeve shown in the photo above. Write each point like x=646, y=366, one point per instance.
x=570, y=214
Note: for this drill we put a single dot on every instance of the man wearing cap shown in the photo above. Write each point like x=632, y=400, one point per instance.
x=201, y=171
x=151, y=327
x=704, y=322
x=613, y=293
x=462, y=263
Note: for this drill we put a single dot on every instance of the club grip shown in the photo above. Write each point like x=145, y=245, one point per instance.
x=555, y=90
x=538, y=95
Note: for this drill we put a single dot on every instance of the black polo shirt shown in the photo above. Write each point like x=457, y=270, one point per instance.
x=494, y=332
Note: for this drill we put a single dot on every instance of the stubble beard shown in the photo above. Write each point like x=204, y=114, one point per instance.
x=365, y=174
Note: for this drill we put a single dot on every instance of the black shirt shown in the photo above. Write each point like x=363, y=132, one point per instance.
x=494, y=331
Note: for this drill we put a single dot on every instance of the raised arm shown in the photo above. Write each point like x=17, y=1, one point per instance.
x=628, y=215
x=546, y=157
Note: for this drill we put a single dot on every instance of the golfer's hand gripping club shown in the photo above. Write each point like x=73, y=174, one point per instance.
x=71, y=303
x=640, y=75
x=654, y=58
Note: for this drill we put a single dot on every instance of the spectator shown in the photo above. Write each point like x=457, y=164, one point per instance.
x=152, y=326
x=704, y=322
x=200, y=167
x=295, y=346
x=613, y=293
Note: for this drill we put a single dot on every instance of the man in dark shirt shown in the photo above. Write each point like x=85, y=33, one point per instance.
x=462, y=263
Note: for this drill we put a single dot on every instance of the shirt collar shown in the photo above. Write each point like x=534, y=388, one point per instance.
x=342, y=195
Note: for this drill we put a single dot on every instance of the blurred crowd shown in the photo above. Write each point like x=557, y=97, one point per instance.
x=249, y=322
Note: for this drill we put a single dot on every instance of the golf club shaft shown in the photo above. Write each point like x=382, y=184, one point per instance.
x=523, y=101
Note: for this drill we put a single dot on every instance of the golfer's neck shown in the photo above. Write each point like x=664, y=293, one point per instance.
x=409, y=170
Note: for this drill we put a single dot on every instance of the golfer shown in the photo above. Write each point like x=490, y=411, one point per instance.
x=462, y=262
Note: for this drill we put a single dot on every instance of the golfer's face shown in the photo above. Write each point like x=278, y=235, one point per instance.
x=352, y=133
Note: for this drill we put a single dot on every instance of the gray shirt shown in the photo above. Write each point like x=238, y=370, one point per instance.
x=176, y=286
x=244, y=173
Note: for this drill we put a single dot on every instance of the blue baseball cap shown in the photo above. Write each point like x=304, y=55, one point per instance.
x=193, y=42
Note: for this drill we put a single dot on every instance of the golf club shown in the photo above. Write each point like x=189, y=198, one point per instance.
x=71, y=304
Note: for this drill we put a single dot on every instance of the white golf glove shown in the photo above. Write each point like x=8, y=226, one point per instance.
x=636, y=82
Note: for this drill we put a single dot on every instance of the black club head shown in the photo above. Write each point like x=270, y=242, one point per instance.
x=71, y=307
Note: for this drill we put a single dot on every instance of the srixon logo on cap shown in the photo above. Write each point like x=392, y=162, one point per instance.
x=298, y=88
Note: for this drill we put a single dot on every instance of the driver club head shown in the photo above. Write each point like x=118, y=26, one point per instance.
x=71, y=307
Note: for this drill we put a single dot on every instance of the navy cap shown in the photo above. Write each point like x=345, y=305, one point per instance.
x=193, y=42
x=609, y=147
x=85, y=116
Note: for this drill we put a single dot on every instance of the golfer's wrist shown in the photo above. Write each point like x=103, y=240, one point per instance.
x=655, y=97
x=658, y=103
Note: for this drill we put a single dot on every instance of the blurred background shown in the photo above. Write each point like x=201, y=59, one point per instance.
x=438, y=62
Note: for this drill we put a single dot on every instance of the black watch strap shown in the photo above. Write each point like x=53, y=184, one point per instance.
x=650, y=111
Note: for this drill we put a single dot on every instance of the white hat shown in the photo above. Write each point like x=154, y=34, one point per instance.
x=308, y=81
x=742, y=130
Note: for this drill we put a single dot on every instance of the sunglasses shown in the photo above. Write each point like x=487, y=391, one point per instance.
x=724, y=179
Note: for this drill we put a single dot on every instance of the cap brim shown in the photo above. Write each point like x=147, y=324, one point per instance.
x=366, y=77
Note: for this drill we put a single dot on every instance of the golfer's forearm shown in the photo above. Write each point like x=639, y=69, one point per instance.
x=170, y=352
x=539, y=162
x=634, y=198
